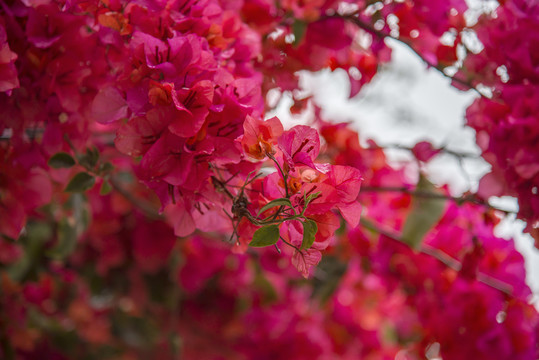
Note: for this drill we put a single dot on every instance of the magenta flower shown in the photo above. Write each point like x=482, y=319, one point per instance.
x=259, y=137
x=193, y=108
x=300, y=146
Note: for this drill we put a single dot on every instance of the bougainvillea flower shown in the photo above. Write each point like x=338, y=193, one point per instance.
x=168, y=160
x=300, y=146
x=135, y=137
x=45, y=26
x=193, y=108
x=190, y=57
x=116, y=21
x=109, y=105
x=424, y=151
x=304, y=260
x=161, y=93
x=346, y=180
x=259, y=137
x=184, y=85
x=351, y=212
x=180, y=217
x=338, y=188
x=321, y=33
x=155, y=50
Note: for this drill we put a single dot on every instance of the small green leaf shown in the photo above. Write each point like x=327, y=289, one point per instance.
x=90, y=159
x=67, y=241
x=312, y=197
x=80, y=182
x=106, y=188
x=263, y=286
x=426, y=212
x=307, y=200
x=265, y=236
x=61, y=160
x=105, y=168
x=333, y=269
x=309, y=233
x=274, y=203
x=33, y=242
x=298, y=29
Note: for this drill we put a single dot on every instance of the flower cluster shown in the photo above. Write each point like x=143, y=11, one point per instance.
x=147, y=209
x=506, y=124
x=295, y=202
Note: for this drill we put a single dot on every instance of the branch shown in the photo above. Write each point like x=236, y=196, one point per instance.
x=285, y=177
x=430, y=195
x=441, y=256
x=292, y=246
x=175, y=299
x=460, y=155
x=382, y=35
x=142, y=205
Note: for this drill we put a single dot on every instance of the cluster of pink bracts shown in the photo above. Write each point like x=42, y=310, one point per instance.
x=148, y=211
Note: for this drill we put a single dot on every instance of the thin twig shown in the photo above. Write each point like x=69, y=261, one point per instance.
x=441, y=256
x=285, y=177
x=431, y=195
x=289, y=244
x=460, y=155
x=296, y=248
x=175, y=296
x=382, y=35
x=142, y=205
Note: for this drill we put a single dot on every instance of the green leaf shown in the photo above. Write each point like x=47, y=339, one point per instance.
x=309, y=233
x=37, y=234
x=175, y=343
x=106, y=188
x=265, y=236
x=298, y=29
x=90, y=159
x=61, y=160
x=263, y=286
x=311, y=197
x=105, y=168
x=274, y=203
x=80, y=182
x=333, y=269
x=426, y=212
x=67, y=241
x=307, y=200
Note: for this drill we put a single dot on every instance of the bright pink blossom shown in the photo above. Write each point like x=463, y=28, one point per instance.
x=259, y=136
x=300, y=146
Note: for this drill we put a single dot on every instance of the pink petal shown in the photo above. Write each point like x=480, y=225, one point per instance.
x=490, y=185
x=347, y=181
x=108, y=106
x=304, y=260
x=424, y=151
x=180, y=218
x=350, y=212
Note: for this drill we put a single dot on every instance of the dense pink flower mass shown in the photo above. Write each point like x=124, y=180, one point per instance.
x=506, y=124
x=149, y=207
